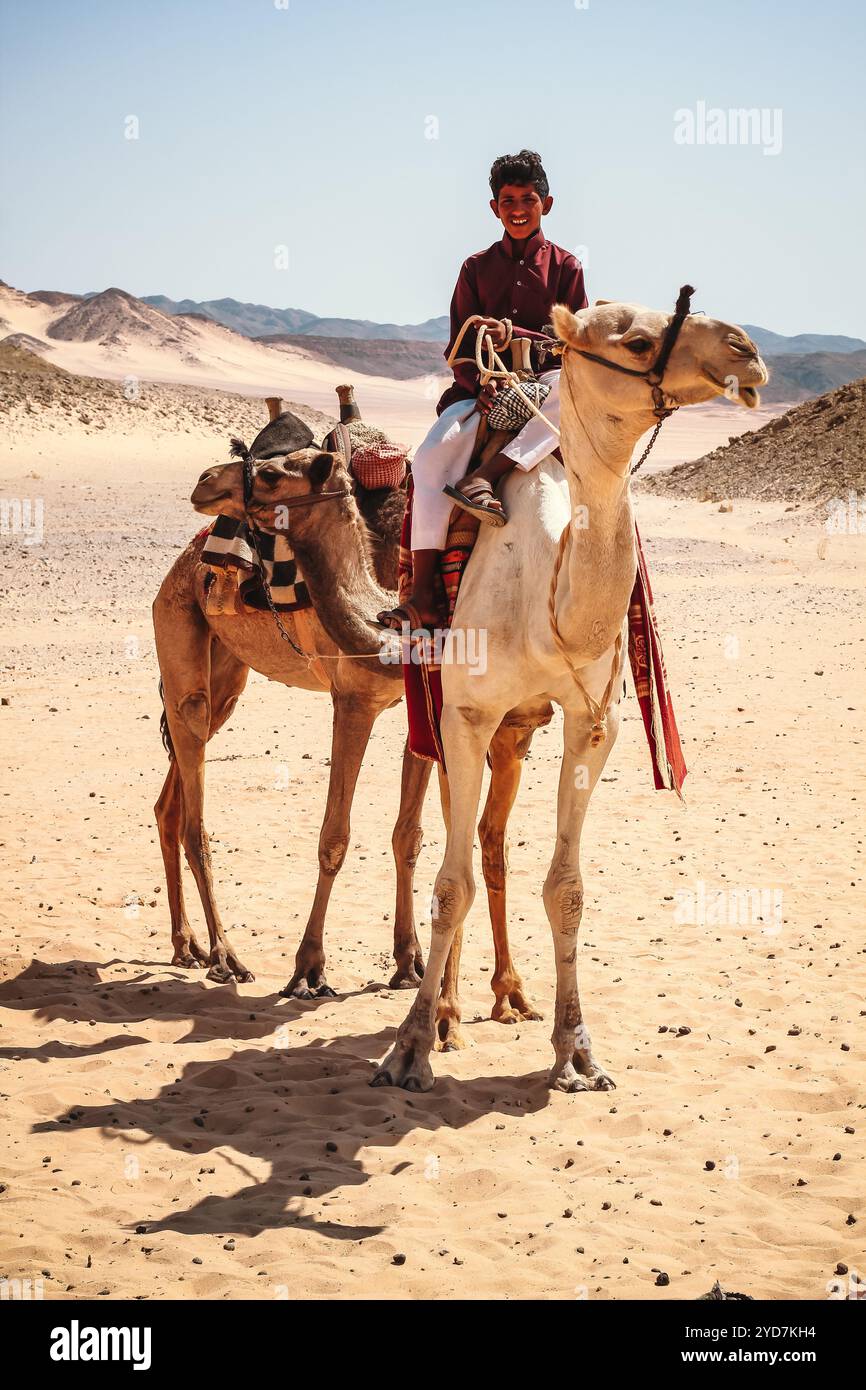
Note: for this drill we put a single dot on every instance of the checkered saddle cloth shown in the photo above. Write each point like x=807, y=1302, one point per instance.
x=229, y=545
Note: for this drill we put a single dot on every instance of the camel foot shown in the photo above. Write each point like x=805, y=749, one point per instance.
x=514, y=1007
x=308, y=981
x=409, y=975
x=188, y=953
x=302, y=990
x=448, y=1036
x=407, y=1065
x=566, y=1077
x=225, y=966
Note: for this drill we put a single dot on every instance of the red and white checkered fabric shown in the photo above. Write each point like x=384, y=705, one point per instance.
x=379, y=465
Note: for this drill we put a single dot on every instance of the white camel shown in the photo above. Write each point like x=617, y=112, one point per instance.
x=570, y=535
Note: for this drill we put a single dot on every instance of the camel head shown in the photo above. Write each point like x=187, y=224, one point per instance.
x=220, y=490
x=709, y=359
x=281, y=485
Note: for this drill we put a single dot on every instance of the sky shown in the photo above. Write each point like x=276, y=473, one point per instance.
x=333, y=155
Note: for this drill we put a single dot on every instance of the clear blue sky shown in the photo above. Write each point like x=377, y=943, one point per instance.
x=305, y=126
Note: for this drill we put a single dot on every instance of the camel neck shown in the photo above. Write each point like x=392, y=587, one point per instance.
x=332, y=554
x=597, y=575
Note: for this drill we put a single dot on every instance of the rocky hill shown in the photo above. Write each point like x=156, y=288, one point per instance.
x=39, y=395
x=814, y=452
x=113, y=318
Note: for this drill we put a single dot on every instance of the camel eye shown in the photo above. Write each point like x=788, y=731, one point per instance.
x=638, y=346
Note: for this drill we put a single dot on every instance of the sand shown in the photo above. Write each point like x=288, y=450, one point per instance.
x=164, y=1137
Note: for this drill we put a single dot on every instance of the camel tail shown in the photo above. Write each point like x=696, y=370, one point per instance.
x=164, y=731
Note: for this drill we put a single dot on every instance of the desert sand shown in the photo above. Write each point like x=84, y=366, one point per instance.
x=165, y=1137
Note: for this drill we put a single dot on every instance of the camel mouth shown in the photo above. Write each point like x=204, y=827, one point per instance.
x=208, y=498
x=733, y=390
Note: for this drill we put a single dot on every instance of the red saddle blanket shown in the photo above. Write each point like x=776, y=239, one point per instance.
x=423, y=677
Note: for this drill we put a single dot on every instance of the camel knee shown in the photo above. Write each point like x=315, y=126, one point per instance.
x=194, y=710
x=452, y=898
x=333, y=849
x=406, y=841
x=563, y=900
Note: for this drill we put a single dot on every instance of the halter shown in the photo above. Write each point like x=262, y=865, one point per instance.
x=654, y=375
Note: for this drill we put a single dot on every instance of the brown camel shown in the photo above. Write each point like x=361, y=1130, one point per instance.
x=205, y=658
x=278, y=483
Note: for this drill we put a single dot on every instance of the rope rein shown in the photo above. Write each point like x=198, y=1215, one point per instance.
x=494, y=369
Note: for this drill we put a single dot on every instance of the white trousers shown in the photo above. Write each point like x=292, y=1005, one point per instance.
x=443, y=457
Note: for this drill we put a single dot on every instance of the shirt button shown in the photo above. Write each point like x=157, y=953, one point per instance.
x=519, y=283
x=523, y=262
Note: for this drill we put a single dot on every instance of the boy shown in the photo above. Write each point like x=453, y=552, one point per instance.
x=520, y=277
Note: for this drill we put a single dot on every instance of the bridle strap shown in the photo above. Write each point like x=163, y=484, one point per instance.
x=310, y=499
x=653, y=375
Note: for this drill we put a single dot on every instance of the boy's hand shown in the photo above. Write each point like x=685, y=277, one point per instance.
x=486, y=396
x=498, y=331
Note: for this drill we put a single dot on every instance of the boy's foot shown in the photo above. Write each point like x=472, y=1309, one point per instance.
x=475, y=495
x=420, y=616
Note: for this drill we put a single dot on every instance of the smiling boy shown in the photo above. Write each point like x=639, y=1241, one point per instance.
x=519, y=278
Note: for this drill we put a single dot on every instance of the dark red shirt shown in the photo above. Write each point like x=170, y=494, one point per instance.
x=509, y=281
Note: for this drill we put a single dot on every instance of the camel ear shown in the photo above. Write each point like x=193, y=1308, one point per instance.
x=320, y=469
x=566, y=325
x=599, y=302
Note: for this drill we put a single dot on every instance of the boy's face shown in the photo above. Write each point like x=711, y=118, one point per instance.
x=520, y=209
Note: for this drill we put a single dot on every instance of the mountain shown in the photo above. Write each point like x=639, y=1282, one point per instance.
x=115, y=317
x=252, y=320
x=259, y=320
x=777, y=343
x=813, y=453
x=401, y=360
x=801, y=377
x=430, y=331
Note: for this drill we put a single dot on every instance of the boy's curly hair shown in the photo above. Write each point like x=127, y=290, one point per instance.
x=525, y=167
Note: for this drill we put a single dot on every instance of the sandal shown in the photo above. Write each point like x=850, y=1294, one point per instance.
x=477, y=498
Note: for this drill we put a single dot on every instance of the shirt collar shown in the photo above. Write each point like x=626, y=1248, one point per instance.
x=536, y=243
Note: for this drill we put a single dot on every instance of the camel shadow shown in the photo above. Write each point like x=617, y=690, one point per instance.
x=307, y=1112
x=75, y=991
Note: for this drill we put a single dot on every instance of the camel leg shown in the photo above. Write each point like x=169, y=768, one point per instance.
x=353, y=724
x=507, y=751
x=169, y=813
x=575, y=1068
x=201, y=684
x=448, y=1012
x=466, y=736
x=406, y=844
